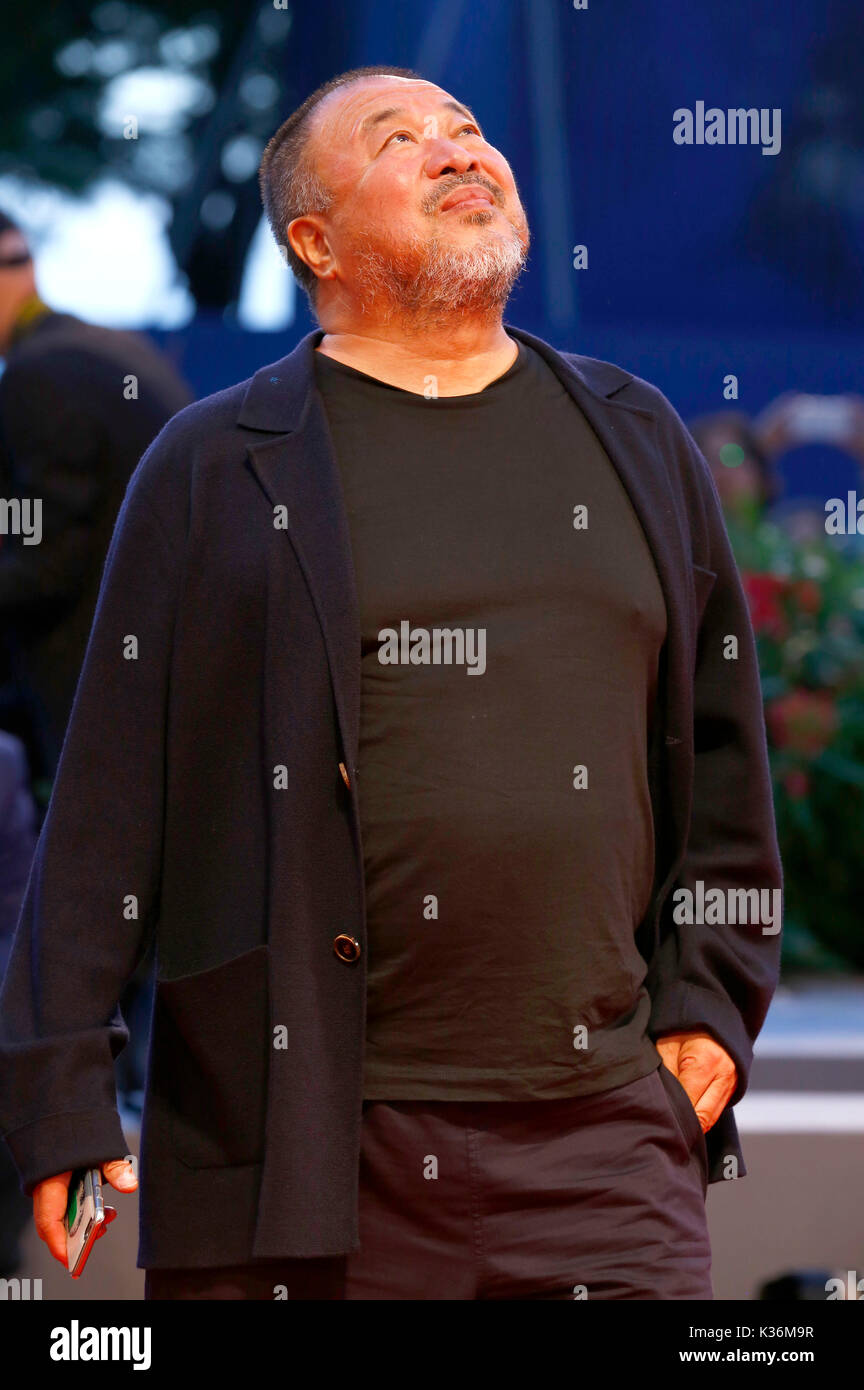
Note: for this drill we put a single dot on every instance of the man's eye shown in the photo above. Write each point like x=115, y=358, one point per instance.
x=406, y=134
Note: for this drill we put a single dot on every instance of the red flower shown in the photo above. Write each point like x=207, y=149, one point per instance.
x=809, y=595
x=804, y=721
x=796, y=783
x=764, y=593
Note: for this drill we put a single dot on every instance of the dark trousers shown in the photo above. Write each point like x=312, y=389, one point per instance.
x=597, y=1197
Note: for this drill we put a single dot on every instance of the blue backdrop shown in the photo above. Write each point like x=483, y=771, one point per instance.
x=702, y=260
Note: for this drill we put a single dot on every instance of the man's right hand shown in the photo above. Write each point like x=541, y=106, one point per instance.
x=51, y=1197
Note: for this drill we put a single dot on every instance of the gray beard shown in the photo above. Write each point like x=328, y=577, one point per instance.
x=428, y=284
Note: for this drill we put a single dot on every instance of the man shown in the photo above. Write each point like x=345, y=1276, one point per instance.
x=421, y=676
x=78, y=406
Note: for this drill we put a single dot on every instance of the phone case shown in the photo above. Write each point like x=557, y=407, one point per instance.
x=86, y=1218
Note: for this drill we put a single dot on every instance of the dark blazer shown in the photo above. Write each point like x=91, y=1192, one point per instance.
x=203, y=780
x=17, y=838
x=71, y=435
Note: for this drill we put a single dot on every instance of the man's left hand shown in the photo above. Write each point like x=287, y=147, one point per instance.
x=705, y=1070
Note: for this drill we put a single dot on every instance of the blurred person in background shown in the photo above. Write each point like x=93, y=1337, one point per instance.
x=818, y=443
x=78, y=406
x=17, y=842
x=745, y=477
x=750, y=460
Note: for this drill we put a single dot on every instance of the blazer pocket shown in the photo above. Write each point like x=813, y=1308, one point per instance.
x=211, y=1036
x=703, y=582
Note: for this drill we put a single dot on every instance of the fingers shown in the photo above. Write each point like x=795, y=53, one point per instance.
x=120, y=1174
x=713, y=1101
x=49, y=1207
x=669, y=1049
x=709, y=1083
x=696, y=1077
x=51, y=1197
x=705, y=1071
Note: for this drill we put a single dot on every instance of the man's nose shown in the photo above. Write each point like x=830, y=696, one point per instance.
x=447, y=156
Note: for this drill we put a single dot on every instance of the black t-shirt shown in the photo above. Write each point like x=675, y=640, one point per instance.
x=512, y=622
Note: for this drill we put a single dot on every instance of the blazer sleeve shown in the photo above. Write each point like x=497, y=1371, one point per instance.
x=93, y=891
x=721, y=978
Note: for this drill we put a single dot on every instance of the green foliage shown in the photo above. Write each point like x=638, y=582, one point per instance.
x=56, y=61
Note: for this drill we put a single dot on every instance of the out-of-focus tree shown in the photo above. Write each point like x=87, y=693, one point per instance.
x=172, y=97
x=70, y=74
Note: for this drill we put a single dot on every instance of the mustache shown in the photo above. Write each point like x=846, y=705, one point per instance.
x=439, y=194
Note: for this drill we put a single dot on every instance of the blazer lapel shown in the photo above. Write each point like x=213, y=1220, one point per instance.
x=295, y=465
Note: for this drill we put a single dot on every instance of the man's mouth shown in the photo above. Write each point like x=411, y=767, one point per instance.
x=467, y=196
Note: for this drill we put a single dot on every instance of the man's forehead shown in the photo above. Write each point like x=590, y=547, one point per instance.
x=347, y=109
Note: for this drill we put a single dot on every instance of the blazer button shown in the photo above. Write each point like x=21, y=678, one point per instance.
x=343, y=769
x=347, y=948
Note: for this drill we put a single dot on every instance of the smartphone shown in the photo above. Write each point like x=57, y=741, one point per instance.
x=86, y=1218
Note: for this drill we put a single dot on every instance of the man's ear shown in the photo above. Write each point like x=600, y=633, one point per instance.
x=308, y=240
